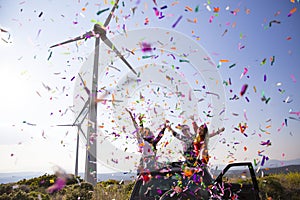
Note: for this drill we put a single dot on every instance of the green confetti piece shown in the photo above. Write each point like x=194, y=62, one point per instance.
x=102, y=11
x=184, y=61
x=145, y=57
x=231, y=66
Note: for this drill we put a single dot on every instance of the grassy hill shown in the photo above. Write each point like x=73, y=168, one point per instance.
x=277, y=183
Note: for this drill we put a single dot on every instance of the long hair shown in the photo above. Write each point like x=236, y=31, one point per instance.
x=202, y=137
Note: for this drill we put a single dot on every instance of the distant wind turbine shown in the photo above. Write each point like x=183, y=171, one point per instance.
x=99, y=32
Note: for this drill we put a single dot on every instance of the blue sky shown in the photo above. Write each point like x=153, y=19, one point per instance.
x=240, y=33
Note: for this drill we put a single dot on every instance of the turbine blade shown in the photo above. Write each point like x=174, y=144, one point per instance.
x=84, y=36
x=110, y=45
x=111, y=13
x=66, y=125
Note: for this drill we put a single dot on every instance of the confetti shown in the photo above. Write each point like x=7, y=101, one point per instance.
x=274, y=21
x=50, y=55
x=40, y=14
x=266, y=143
x=226, y=30
x=293, y=10
x=233, y=65
x=293, y=78
x=176, y=22
x=187, y=8
x=295, y=113
x=102, y=11
x=272, y=59
x=243, y=90
x=146, y=47
x=244, y=73
x=263, y=61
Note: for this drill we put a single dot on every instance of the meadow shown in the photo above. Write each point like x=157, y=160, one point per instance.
x=274, y=186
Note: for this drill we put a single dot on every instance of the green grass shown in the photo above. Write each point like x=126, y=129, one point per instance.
x=276, y=186
x=280, y=186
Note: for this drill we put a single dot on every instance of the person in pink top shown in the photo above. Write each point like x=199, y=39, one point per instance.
x=200, y=142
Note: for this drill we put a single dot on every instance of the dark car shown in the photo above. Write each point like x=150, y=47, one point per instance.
x=181, y=181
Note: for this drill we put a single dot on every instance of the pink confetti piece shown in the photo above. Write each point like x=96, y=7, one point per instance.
x=58, y=185
x=293, y=78
x=156, y=11
x=146, y=47
x=211, y=19
x=244, y=73
x=296, y=113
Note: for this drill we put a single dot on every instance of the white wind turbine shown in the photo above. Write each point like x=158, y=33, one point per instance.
x=99, y=32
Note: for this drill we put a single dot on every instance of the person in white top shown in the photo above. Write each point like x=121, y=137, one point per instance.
x=147, y=143
x=187, y=139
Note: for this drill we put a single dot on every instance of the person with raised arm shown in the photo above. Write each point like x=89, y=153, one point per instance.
x=200, y=142
x=147, y=143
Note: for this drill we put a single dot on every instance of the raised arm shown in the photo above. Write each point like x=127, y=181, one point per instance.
x=133, y=119
x=160, y=135
x=174, y=133
x=194, y=123
x=217, y=132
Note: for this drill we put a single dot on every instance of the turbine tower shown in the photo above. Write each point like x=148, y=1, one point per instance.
x=78, y=123
x=99, y=32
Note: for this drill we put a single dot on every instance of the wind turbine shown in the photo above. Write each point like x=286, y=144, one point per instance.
x=78, y=123
x=99, y=32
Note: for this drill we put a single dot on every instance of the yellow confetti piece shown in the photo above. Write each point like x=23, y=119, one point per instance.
x=254, y=88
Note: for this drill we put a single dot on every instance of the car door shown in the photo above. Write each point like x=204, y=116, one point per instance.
x=238, y=181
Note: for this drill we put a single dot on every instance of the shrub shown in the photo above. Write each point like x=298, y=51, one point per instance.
x=84, y=191
x=280, y=186
x=5, y=189
x=38, y=195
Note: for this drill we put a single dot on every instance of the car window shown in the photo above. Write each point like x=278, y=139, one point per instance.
x=157, y=186
x=237, y=182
